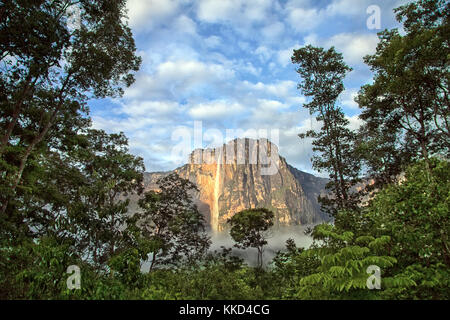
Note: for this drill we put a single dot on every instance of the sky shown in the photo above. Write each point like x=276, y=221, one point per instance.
x=226, y=65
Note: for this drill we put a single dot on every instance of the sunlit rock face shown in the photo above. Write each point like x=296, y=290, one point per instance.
x=247, y=173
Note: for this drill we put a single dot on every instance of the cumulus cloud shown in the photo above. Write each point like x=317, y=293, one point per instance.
x=348, y=7
x=228, y=64
x=283, y=89
x=219, y=109
x=214, y=11
x=263, y=53
x=234, y=11
x=284, y=56
x=306, y=16
x=303, y=20
x=147, y=13
x=150, y=108
x=178, y=79
x=353, y=46
x=355, y=122
x=212, y=41
x=185, y=25
x=347, y=98
x=273, y=30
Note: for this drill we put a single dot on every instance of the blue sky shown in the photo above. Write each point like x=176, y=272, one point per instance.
x=227, y=64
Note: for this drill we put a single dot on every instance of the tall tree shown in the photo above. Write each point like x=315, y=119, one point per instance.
x=99, y=210
x=172, y=228
x=322, y=72
x=249, y=229
x=50, y=68
x=407, y=105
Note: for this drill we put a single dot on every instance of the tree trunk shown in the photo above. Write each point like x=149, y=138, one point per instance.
x=153, y=262
x=260, y=256
x=37, y=139
x=16, y=112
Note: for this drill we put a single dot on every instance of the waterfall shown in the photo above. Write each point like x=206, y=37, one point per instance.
x=215, y=216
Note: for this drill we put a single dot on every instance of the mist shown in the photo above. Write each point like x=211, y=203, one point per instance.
x=276, y=242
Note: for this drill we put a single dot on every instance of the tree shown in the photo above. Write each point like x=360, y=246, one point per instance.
x=384, y=153
x=403, y=230
x=291, y=266
x=172, y=228
x=406, y=107
x=249, y=229
x=416, y=215
x=28, y=271
x=81, y=197
x=50, y=69
x=99, y=210
x=344, y=259
x=322, y=72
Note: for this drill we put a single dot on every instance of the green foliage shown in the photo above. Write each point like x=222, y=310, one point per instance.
x=98, y=210
x=212, y=281
x=170, y=224
x=291, y=266
x=249, y=228
x=127, y=267
x=49, y=71
x=406, y=108
x=419, y=281
x=64, y=186
x=403, y=232
x=343, y=265
x=416, y=214
x=35, y=270
x=406, y=235
x=322, y=72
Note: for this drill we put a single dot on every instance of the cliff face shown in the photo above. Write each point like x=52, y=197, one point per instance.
x=245, y=174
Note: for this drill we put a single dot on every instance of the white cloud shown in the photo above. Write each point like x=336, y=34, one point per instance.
x=195, y=68
x=128, y=125
x=214, y=11
x=263, y=53
x=235, y=11
x=347, y=98
x=305, y=15
x=150, y=108
x=212, y=41
x=281, y=89
x=354, y=46
x=284, y=56
x=246, y=67
x=185, y=24
x=267, y=111
x=303, y=20
x=273, y=30
x=348, y=7
x=193, y=71
x=355, y=122
x=176, y=79
x=146, y=13
x=219, y=109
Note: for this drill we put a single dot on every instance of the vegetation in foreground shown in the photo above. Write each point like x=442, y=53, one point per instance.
x=63, y=184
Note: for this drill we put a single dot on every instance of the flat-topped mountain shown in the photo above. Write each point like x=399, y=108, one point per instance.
x=248, y=173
